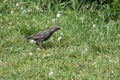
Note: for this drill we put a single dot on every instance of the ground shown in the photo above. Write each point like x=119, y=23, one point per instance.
x=87, y=48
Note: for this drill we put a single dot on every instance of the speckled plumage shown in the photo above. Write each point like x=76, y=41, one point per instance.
x=43, y=35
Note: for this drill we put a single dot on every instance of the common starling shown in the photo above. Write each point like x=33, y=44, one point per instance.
x=43, y=35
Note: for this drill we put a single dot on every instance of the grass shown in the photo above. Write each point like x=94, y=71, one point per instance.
x=88, y=48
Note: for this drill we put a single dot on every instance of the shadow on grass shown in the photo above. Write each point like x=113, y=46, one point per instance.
x=47, y=45
x=51, y=45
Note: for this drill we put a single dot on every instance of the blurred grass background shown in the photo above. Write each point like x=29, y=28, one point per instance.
x=88, y=47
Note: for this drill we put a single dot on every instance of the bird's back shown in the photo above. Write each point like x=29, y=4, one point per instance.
x=41, y=36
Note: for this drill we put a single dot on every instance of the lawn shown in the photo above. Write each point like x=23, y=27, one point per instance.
x=87, y=48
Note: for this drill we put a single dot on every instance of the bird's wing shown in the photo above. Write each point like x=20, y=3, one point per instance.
x=39, y=35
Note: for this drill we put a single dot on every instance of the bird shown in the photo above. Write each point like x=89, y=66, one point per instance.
x=43, y=35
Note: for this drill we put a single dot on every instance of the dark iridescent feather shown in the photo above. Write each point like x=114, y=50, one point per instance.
x=43, y=35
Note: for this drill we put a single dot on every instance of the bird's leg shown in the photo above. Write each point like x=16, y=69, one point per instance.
x=39, y=44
